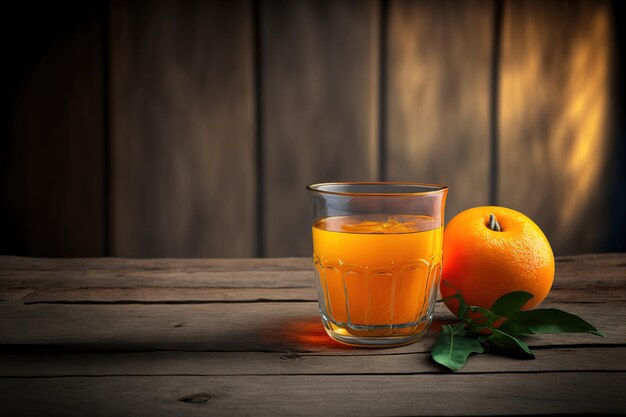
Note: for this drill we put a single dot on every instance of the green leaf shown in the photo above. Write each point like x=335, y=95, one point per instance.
x=549, y=320
x=456, y=342
x=487, y=317
x=457, y=328
x=510, y=344
x=510, y=303
x=452, y=350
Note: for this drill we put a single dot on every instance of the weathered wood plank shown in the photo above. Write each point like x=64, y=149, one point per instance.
x=12, y=294
x=164, y=295
x=553, y=393
x=169, y=279
x=555, y=93
x=267, y=326
x=182, y=94
x=581, y=264
x=602, y=275
x=14, y=263
x=319, y=97
x=119, y=291
x=592, y=279
x=238, y=357
x=438, y=69
x=291, y=363
x=52, y=148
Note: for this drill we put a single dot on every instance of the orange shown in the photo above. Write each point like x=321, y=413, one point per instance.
x=484, y=264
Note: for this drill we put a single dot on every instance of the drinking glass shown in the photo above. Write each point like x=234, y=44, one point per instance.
x=377, y=253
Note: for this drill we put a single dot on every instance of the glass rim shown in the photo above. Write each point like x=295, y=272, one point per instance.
x=436, y=189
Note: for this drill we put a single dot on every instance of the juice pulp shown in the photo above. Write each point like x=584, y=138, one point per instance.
x=377, y=275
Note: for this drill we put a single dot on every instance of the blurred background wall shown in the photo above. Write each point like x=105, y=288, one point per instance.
x=190, y=129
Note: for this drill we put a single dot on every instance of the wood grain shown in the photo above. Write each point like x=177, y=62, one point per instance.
x=12, y=264
x=181, y=304
x=292, y=363
x=202, y=336
x=165, y=295
x=265, y=326
x=52, y=149
x=126, y=293
x=555, y=99
x=579, y=279
x=438, y=70
x=183, y=166
x=552, y=393
x=319, y=108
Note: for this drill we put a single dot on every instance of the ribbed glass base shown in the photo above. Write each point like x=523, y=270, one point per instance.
x=375, y=336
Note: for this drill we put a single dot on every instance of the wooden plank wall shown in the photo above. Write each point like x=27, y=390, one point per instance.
x=52, y=150
x=182, y=137
x=437, y=124
x=190, y=129
x=555, y=119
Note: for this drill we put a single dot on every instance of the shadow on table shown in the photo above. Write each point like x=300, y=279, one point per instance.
x=308, y=334
x=304, y=334
x=289, y=334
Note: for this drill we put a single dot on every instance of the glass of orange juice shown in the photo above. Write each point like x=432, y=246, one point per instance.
x=377, y=253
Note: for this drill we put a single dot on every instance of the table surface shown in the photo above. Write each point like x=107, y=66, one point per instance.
x=181, y=337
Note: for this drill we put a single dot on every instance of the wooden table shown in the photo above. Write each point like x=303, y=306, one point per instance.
x=165, y=337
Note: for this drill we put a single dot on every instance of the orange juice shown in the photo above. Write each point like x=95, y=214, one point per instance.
x=377, y=274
